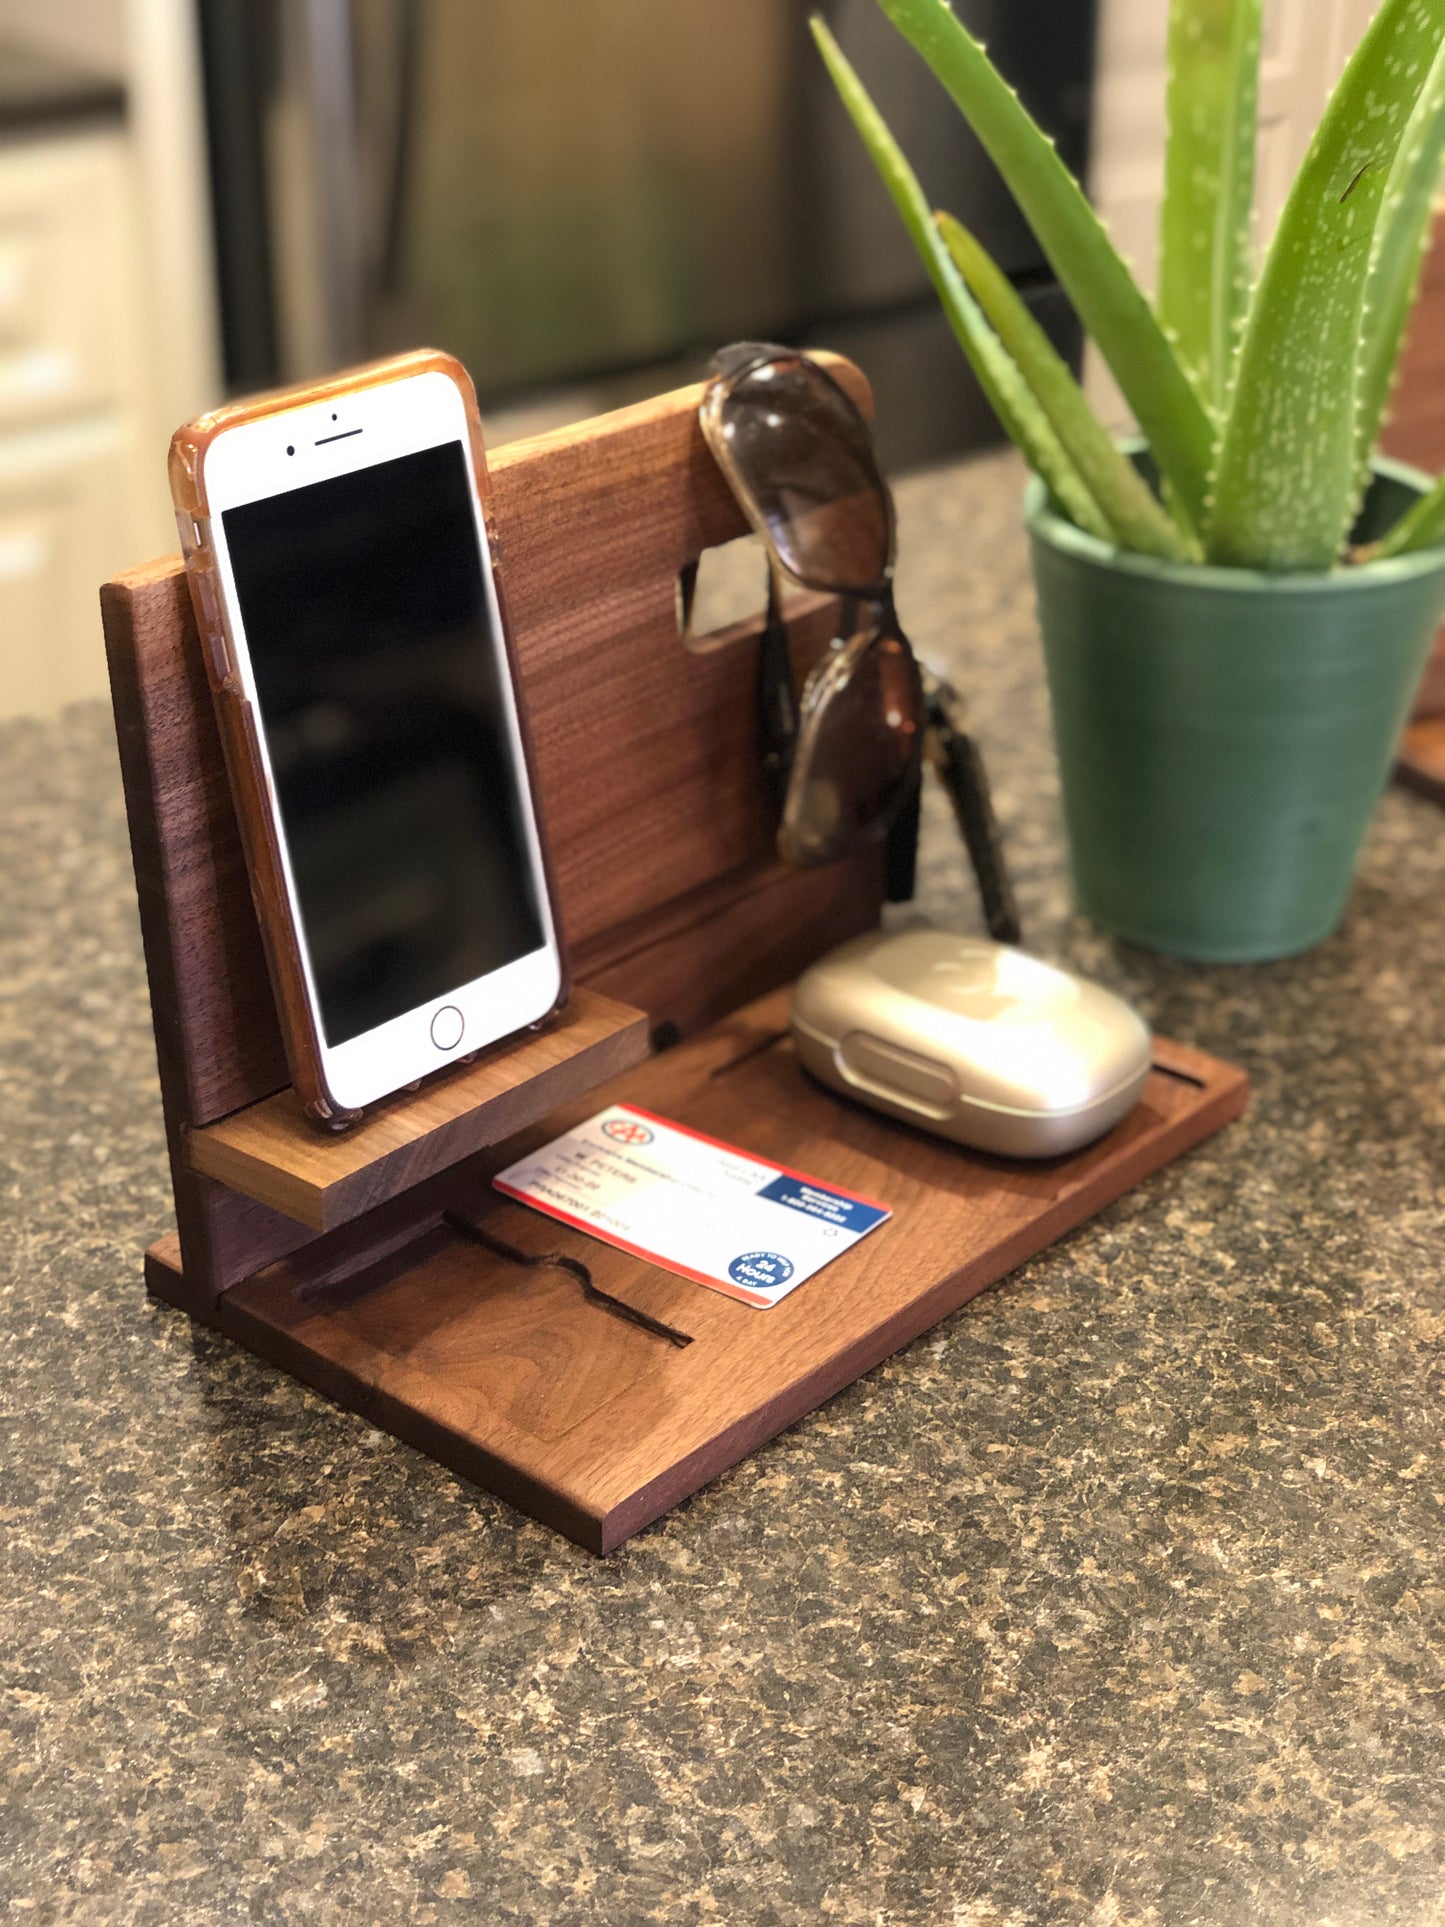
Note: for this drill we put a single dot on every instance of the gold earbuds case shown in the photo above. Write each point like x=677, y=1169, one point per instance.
x=972, y=1039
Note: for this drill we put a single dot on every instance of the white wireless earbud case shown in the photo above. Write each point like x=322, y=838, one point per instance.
x=972, y=1039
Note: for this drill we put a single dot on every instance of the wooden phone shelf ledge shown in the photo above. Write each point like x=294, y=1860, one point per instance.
x=382, y=1268
x=270, y=1152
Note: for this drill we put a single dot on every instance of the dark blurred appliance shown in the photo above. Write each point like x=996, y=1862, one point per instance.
x=563, y=193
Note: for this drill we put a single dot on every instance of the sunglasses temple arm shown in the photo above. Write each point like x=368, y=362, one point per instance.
x=777, y=700
x=900, y=852
x=956, y=757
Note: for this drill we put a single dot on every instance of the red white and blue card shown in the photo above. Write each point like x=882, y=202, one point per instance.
x=703, y=1209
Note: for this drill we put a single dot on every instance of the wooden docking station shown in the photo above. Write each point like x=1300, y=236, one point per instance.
x=380, y=1266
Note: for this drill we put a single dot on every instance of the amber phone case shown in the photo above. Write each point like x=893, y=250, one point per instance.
x=240, y=737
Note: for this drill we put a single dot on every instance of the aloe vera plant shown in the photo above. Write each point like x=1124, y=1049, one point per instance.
x=1260, y=396
x=1204, y=253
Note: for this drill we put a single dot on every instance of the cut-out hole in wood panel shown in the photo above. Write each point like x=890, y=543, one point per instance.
x=725, y=588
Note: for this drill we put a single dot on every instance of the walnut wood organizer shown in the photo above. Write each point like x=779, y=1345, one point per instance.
x=352, y=1262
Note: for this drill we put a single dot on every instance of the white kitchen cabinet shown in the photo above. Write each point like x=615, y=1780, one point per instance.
x=64, y=304
x=63, y=526
x=81, y=495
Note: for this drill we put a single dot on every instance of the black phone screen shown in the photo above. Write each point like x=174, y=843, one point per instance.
x=381, y=701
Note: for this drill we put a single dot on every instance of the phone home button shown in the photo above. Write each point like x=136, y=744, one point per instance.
x=447, y=1027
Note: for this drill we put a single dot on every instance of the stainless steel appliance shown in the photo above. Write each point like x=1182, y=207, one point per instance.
x=568, y=192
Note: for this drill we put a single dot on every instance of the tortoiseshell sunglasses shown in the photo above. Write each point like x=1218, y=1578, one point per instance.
x=846, y=756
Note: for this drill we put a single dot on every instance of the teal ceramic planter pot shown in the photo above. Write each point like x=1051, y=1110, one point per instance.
x=1223, y=735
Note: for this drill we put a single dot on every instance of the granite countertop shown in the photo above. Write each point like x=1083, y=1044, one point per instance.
x=1115, y=1599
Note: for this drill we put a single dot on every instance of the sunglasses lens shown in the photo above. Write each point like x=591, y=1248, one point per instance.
x=859, y=749
x=803, y=452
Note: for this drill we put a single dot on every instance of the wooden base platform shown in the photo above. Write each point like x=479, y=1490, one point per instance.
x=506, y=1372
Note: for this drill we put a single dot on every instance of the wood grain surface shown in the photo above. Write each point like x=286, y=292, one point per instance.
x=271, y=1153
x=509, y=1375
x=670, y=893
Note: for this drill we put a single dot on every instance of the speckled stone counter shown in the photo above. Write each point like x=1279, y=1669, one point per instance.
x=1116, y=1599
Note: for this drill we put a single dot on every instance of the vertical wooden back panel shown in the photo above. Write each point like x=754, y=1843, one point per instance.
x=660, y=822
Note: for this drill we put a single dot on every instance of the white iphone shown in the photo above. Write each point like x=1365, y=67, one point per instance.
x=345, y=584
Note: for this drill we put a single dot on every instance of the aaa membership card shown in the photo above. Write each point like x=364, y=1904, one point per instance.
x=694, y=1206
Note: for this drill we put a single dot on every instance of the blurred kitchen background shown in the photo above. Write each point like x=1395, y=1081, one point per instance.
x=204, y=197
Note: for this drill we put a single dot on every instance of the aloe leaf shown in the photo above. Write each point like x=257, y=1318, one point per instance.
x=1004, y=387
x=1104, y=293
x=1115, y=484
x=1401, y=236
x=1285, y=488
x=1422, y=527
x=1204, y=232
